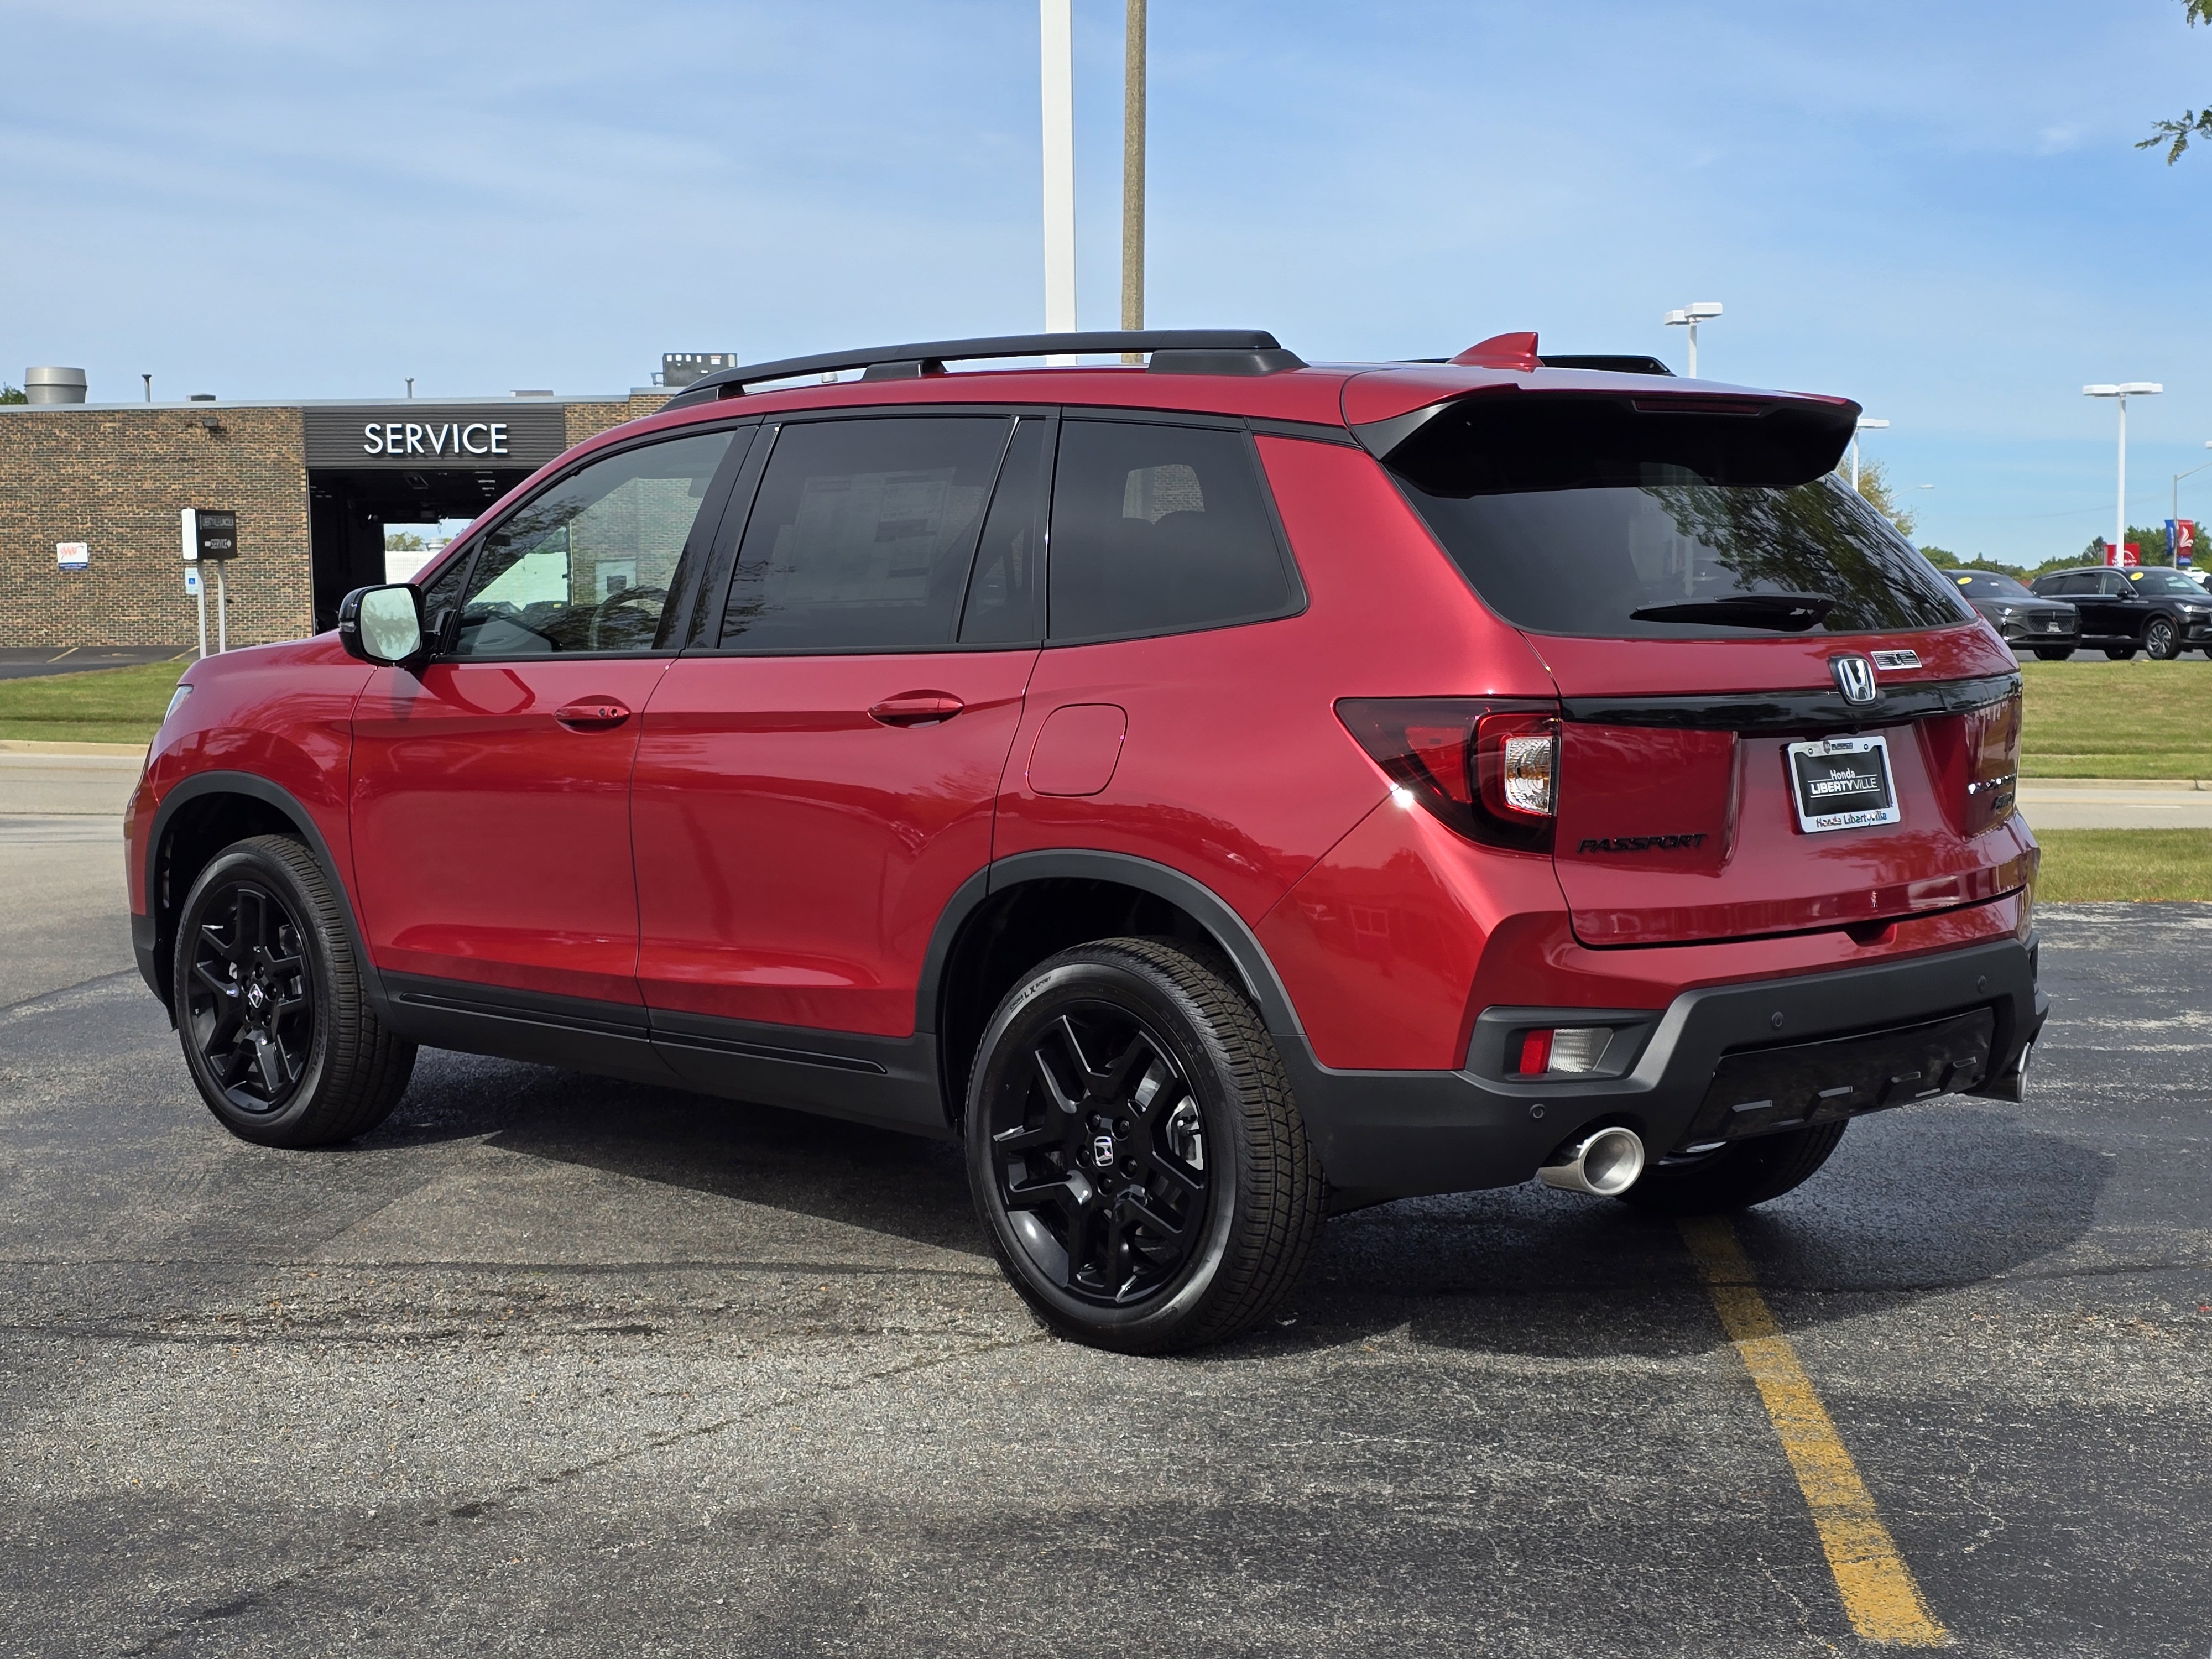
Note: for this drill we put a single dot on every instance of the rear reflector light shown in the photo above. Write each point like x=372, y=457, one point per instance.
x=1487, y=768
x=1562, y=1050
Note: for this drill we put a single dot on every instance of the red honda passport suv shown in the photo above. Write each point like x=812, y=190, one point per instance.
x=1219, y=792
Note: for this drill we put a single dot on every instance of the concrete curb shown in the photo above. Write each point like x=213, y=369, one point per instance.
x=2116, y=783
x=40, y=746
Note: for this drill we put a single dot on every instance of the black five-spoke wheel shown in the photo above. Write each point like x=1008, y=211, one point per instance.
x=277, y=1027
x=251, y=1001
x=1136, y=1157
x=1101, y=1162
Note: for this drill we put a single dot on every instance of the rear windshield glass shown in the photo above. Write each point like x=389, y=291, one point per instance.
x=1981, y=585
x=1617, y=518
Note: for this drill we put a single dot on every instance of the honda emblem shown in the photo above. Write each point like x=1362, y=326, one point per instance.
x=1855, y=679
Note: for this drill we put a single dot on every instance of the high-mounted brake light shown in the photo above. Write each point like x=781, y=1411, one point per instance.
x=1486, y=767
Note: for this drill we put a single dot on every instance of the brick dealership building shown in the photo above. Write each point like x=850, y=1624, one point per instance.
x=313, y=483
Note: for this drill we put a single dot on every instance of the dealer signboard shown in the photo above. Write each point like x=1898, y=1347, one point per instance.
x=434, y=436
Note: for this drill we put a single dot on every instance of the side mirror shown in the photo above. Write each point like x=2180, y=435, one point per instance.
x=382, y=624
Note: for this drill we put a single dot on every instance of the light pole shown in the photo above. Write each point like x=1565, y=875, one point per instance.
x=2120, y=394
x=1132, y=167
x=1864, y=425
x=2175, y=512
x=1689, y=316
x=1056, y=37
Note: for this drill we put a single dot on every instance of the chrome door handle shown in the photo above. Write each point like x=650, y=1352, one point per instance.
x=593, y=713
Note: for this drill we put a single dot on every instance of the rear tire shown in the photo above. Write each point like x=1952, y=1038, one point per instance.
x=2162, y=640
x=2048, y=654
x=277, y=1029
x=1738, y=1175
x=1136, y=1159
x=2120, y=653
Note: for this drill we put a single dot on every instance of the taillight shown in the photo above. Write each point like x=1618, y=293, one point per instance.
x=1488, y=769
x=1993, y=740
x=1561, y=1050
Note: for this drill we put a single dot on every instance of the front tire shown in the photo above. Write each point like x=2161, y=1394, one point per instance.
x=2120, y=653
x=1738, y=1175
x=1136, y=1159
x=2162, y=640
x=277, y=1029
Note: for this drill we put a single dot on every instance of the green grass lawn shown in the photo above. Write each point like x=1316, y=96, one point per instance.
x=2125, y=864
x=103, y=705
x=2092, y=717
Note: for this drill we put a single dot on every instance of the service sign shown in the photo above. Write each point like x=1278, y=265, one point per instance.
x=215, y=533
x=423, y=437
x=73, y=555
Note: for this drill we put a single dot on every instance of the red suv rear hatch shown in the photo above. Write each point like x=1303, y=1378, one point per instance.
x=1775, y=716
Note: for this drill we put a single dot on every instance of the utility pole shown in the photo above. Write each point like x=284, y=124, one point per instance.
x=1133, y=170
x=1056, y=34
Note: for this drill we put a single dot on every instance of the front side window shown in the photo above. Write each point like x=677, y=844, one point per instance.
x=2167, y=583
x=587, y=564
x=862, y=534
x=1158, y=529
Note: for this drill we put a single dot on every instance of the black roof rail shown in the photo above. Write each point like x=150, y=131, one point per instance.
x=1187, y=350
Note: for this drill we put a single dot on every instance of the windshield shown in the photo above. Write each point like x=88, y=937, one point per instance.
x=2164, y=582
x=1982, y=584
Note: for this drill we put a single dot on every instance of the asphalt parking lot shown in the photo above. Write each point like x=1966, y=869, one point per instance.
x=551, y=1365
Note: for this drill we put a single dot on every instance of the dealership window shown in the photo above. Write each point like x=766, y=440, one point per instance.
x=1158, y=529
x=587, y=564
x=862, y=535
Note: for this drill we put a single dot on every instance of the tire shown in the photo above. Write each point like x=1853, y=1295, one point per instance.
x=270, y=1008
x=1737, y=1176
x=2054, y=653
x=2162, y=640
x=2120, y=653
x=1133, y=1067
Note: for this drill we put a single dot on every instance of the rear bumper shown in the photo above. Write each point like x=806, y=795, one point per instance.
x=1395, y=1134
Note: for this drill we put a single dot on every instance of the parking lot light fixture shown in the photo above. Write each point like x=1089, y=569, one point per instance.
x=1700, y=310
x=2119, y=394
x=1864, y=425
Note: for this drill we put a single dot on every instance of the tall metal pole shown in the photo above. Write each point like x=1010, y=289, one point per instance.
x=1057, y=33
x=2120, y=518
x=222, y=610
x=1855, y=461
x=1133, y=170
x=1693, y=348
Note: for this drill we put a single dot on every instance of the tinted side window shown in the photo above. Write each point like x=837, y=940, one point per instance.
x=1003, y=593
x=862, y=534
x=586, y=565
x=1158, y=528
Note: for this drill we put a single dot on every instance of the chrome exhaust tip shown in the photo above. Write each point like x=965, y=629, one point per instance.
x=1604, y=1163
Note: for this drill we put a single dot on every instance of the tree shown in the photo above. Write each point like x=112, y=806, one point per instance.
x=402, y=541
x=9, y=394
x=1873, y=485
x=2194, y=123
x=2150, y=546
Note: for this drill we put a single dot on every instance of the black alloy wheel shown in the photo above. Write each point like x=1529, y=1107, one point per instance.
x=1100, y=1163
x=2162, y=640
x=270, y=1002
x=1135, y=1155
x=250, y=1000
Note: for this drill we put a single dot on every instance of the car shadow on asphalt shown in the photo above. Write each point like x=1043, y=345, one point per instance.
x=1914, y=1203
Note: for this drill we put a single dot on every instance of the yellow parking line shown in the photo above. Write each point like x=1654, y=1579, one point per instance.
x=1877, y=1587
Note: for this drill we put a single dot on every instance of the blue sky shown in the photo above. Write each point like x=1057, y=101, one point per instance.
x=1935, y=209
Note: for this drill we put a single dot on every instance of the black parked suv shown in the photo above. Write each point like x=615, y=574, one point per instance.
x=2052, y=628
x=2158, y=611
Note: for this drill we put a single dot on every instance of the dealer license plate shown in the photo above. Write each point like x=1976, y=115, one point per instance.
x=1842, y=783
